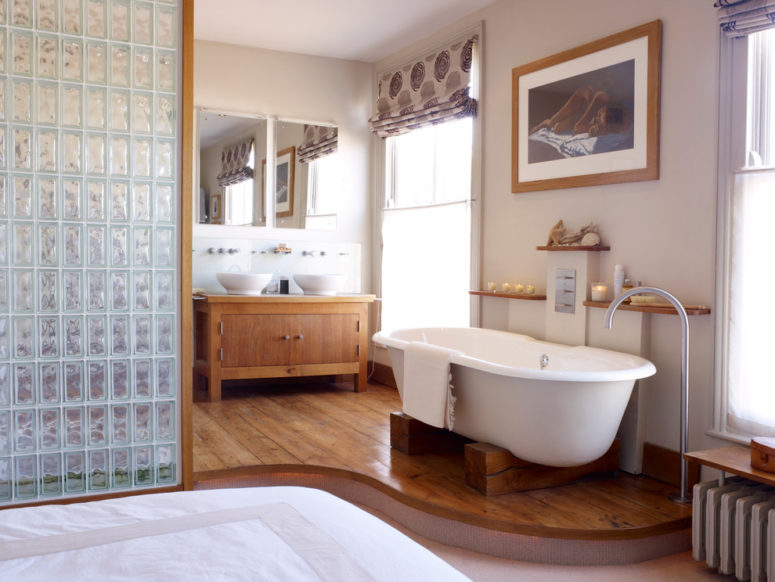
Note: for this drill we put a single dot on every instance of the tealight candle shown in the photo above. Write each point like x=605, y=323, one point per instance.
x=519, y=288
x=491, y=286
x=506, y=287
x=599, y=292
x=530, y=289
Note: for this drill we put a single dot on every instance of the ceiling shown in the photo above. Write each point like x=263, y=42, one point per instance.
x=358, y=30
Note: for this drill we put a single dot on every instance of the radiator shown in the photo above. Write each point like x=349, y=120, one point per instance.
x=733, y=528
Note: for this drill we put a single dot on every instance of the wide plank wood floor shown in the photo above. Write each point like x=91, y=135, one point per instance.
x=329, y=425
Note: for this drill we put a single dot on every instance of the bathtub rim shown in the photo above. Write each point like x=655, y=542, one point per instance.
x=642, y=367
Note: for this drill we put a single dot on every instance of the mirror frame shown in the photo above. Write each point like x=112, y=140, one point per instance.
x=267, y=210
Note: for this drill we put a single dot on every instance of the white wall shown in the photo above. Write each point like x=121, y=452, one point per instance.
x=301, y=88
x=663, y=231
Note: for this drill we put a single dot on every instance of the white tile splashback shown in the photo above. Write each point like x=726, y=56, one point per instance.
x=257, y=256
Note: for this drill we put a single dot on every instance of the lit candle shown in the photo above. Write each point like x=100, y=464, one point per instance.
x=506, y=287
x=491, y=286
x=519, y=288
x=599, y=291
x=530, y=289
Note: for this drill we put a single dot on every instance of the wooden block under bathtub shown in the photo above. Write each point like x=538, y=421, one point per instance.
x=493, y=470
x=414, y=437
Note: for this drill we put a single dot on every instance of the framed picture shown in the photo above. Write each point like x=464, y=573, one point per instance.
x=589, y=115
x=216, y=209
x=284, y=170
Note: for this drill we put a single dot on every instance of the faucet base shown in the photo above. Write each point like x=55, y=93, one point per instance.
x=679, y=498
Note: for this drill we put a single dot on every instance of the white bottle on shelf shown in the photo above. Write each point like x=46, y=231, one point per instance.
x=618, y=280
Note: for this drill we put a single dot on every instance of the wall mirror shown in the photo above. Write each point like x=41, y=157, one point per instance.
x=233, y=168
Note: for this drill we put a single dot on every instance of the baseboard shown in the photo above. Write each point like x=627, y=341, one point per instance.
x=382, y=374
x=665, y=465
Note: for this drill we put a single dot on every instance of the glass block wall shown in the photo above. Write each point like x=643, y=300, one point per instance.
x=88, y=169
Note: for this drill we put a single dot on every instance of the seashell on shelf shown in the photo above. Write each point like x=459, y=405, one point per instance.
x=590, y=239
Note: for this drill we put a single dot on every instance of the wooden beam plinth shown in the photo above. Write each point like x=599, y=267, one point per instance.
x=413, y=437
x=493, y=470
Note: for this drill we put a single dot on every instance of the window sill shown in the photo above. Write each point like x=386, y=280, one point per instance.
x=736, y=438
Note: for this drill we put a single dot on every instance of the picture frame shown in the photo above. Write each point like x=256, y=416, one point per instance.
x=285, y=163
x=589, y=115
x=216, y=208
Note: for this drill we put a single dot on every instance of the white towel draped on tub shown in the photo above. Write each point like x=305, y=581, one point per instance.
x=427, y=389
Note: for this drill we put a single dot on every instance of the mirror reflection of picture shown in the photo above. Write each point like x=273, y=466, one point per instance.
x=215, y=208
x=284, y=173
x=204, y=206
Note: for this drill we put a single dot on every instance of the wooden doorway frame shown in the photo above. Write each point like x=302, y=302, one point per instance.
x=187, y=169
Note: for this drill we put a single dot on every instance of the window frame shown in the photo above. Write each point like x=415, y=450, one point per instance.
x=381, y=169
x=732, y=144
x=228, y=201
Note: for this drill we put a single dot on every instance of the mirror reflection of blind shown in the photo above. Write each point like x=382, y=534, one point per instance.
x=319, y=141
x=236, y=163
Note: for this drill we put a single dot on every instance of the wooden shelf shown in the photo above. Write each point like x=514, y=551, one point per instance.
x=523, y=296
x=574, y=248
x=652, y=307
x=733, y=459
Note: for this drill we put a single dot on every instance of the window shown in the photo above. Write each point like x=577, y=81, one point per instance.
x=746, y=391
x=240, y=197
x=426, y=227
x=323, y=181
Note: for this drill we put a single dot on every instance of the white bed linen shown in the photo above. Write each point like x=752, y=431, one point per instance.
x=216, y=543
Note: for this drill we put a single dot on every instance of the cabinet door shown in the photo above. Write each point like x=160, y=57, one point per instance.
x=329, y=338
x=257, y=340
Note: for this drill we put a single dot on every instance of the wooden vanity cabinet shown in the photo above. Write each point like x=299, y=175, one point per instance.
x=276, y=336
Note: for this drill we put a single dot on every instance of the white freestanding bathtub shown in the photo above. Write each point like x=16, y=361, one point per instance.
x=563, y=415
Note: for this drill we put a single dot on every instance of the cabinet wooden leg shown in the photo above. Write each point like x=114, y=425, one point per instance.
x=214, y=389
x=360, y=382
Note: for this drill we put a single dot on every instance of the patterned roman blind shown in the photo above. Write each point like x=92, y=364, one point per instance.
x=319, y=141
x=743, y=17
x=235, y=164
x=429, y=90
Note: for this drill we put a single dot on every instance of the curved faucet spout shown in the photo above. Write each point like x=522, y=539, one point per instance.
x=683, y=495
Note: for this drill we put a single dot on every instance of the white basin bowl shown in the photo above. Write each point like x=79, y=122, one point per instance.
x=319, y=284
x=244, y=283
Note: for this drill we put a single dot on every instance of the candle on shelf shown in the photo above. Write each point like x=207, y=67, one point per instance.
x=530, y=289
x=519, y=288
x=491, y=286
x=599, y=292
x=506, y=287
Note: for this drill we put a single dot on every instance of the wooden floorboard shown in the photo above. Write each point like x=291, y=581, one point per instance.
x=329, y=426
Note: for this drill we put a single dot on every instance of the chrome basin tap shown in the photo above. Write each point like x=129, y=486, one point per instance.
x=683, y=495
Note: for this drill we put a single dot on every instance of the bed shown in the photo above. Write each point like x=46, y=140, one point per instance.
x=263, y=533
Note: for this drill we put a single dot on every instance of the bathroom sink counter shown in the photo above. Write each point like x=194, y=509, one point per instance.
x=239, y=337
x=289, y=298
